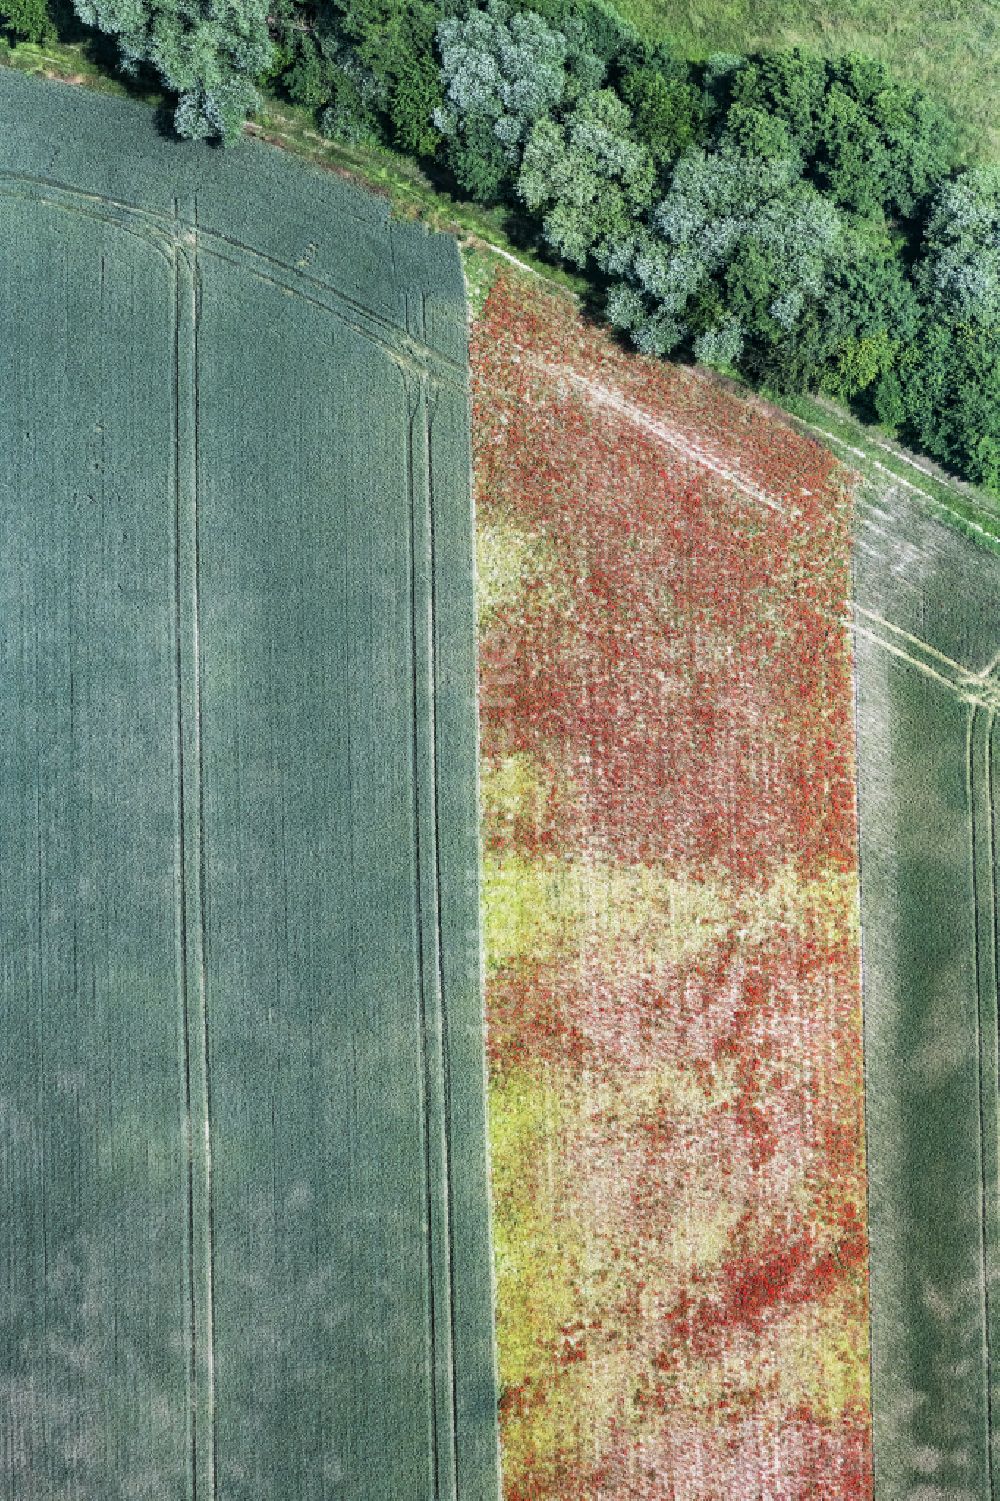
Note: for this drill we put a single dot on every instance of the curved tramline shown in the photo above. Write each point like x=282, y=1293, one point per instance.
x=243, y=1202
x=674, y=1021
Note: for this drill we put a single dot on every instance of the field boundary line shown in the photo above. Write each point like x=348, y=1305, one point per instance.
x=197, y=1083
x=993, y=1140
x=979, y=740
x=941, y=507
x=434, y=1092
x=693, y=452
x=444, y=1054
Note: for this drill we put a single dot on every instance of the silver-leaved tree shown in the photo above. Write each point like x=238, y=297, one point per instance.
x=208, y=52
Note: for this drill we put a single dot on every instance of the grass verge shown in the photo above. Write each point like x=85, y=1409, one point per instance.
x=948, y=49
x=485, y=242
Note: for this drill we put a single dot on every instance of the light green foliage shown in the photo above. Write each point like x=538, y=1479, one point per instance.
x=501, y=72
x=739, y=249
x=721, y=345
x=209, y=52
x=587, y=178
x=26, y=20
x=861, y=360
x=960, y=267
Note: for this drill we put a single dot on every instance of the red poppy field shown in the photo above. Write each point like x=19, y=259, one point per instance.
x=670, y=900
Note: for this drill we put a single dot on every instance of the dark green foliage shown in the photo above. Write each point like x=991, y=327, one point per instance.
x=479, y=162
x=870, y=314
x=26, y=20
x=758, y=132
x=950, y=382
x=847, y=343
x=391, y=43
x=871, y=143
x=307, y=75
x=415, y=96
x=950, y=376
x=321, y=71
x=668, y=110
x=881, y=144
x=790, y=86
x=285, y=24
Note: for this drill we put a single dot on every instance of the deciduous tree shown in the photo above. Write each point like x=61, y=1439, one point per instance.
x=587, y=178
x=208, y=52
x=501, y=72
x=729, y=261
x=27, y=20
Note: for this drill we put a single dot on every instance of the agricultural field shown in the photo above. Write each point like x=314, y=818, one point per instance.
x=243, y=1199
x=927, y=652
x=670, y=906
x=245, y=1166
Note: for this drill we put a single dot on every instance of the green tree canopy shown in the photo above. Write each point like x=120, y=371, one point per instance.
x=949, y=378
x=208, y=52
x=27, y=20
x=668, y=110
x=873, y=144
x=587, y=177
x=950, y=389
x=730, y=260
x=959, y=269
x=390, y=45
x=501, y=72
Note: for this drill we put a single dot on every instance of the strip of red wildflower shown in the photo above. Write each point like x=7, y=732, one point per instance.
x=671, y=681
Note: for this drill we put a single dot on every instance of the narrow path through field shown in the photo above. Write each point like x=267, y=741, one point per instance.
x=191, y=856
x=974, y=687
x=682, y=443
x=979, y=781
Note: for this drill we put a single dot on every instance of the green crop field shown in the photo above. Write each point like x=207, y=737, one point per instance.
x=952, y=50
x=243, y=1207
x=928, y=652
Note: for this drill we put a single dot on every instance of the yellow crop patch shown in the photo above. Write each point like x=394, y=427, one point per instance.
x=639, y=914
x=510, y=563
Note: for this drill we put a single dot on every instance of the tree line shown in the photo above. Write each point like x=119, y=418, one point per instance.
x=803, y=223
